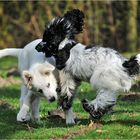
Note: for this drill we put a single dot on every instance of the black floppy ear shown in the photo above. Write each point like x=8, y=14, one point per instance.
x=76, y=20
x=67, y=26
x=60, y=28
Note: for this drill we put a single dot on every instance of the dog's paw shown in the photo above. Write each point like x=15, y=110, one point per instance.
x=22, y=117
x=35, y=118
x=95, y=114
x=70, y=121
x=86, y=106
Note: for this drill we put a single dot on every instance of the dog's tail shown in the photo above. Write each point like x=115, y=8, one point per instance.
x=76, y=19
x=133, y=65
x=10, y=52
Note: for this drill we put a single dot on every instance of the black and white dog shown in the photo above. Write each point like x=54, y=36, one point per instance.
x=107, y=70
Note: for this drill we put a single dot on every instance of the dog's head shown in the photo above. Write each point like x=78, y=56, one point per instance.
x=60, y=28
x=40, y=79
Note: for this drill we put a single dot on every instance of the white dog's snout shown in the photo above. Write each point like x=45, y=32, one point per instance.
x=52, y=98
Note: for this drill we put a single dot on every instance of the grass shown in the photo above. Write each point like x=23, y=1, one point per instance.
x=124, y=123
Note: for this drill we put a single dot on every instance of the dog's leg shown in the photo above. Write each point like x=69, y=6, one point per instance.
x=24, y=92
x=66, y=103
x=102, y=104
x=69, y=115
x=23, y=114
x=68, y=87
x=35, y=108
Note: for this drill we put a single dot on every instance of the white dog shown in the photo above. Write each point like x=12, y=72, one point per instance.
x=38, y=76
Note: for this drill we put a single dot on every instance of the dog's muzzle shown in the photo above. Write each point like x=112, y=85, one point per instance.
x=52, y=99
x=40, y=46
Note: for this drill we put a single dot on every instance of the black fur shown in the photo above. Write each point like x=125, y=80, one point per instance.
x=75, y=17
x=96, y=114
x=63, y=55
x=65, y=102
x=132, y=66
x=90, y=46
x=59, y=29
x=53, y=35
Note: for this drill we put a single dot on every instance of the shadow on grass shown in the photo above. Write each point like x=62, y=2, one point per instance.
x=57, y=123
x=9, y=92
x=9, y=126
x=115, y=112
x=8, y=123
x=127, y=122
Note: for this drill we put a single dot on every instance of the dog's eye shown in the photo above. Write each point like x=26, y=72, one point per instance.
x=48, y=85
x=40, y=91
x=47, y=73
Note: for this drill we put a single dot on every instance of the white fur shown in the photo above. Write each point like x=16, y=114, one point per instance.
x=69, y=115
x=106, y=69
x=104, y=97
x=138, y=58
x=62, y=44
x=102, y=67
x=66, y=79
x=36, y=73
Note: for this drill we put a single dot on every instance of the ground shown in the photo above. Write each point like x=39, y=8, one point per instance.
x=122, y=123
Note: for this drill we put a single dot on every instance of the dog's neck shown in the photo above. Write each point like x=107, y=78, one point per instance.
x=76, y=64
x=71, y=59
x=64, y=53
x=65, y=42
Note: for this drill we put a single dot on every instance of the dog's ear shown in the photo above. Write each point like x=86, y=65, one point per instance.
x=75, y=18
x=49, y=67
x=27, y=79
x=46, y=69
x=64, y=27
x=60, y=28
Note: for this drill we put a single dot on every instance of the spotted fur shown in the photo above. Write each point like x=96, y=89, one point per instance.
x=104, y=68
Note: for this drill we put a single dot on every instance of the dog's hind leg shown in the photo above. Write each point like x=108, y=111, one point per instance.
x=35, y=108
x=102, y=104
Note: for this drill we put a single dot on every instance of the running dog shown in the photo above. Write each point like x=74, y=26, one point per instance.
x=39, y=79
x=104, y=68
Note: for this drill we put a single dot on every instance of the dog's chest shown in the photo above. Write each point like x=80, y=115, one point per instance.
x=80, y=70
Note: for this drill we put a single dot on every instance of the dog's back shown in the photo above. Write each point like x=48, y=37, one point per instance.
x=30, y=56
x=26, y=56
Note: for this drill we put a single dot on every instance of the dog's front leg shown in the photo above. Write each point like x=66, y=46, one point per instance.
x=23, y=114
x=68, y=87
x=66, y=104
x=24, y=92
x=69, y=115
x=104, y=101
x=35, y=108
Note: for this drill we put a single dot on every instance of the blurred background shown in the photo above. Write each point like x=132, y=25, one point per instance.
x=114, y=24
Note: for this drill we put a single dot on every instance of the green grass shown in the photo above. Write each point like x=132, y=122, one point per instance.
x=124, y=123
x=7, y=63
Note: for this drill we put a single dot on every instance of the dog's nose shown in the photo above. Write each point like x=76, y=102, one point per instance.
x=52, y=99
